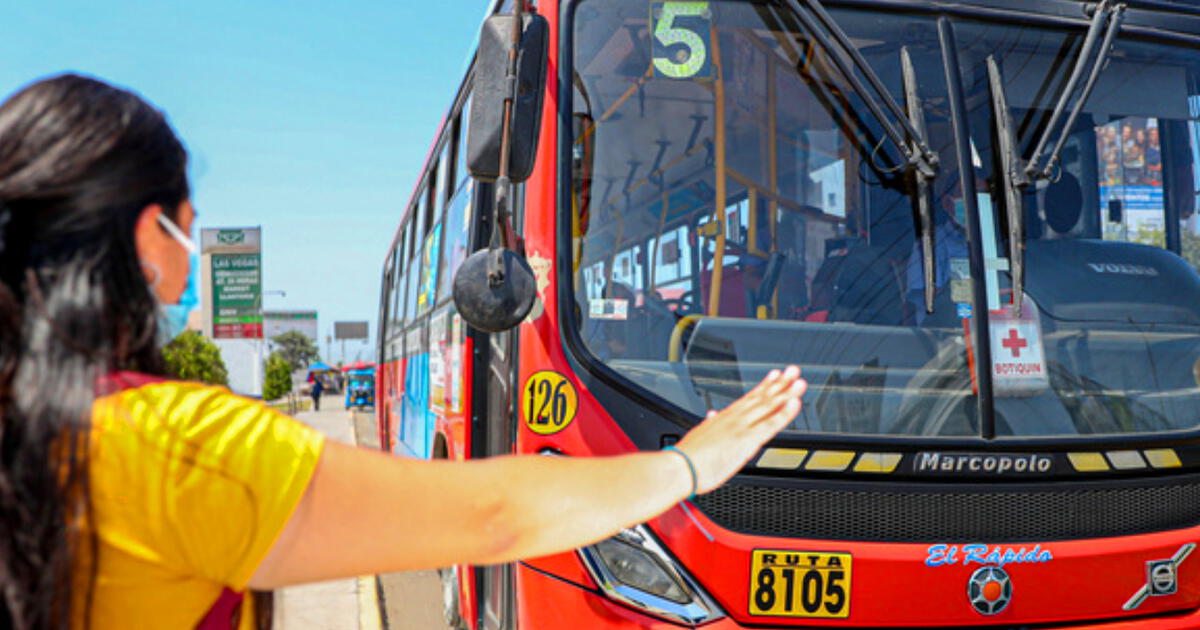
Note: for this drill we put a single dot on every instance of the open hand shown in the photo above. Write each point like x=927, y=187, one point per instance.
x=723, y=443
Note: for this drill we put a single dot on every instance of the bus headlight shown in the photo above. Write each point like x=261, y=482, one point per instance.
x=633, y=568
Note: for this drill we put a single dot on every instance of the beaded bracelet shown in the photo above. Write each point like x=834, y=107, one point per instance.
x=691, y=469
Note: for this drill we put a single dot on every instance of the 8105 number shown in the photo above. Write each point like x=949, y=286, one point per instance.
x=800, y=584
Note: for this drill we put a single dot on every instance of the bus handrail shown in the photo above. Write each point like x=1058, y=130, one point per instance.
x=675, y=347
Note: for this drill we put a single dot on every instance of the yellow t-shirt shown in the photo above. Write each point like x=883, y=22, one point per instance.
x=190, y=487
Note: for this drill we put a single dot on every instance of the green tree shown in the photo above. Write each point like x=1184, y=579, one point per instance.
x=278, y=377
x=296, y=348
x=191, y=357
x=1156, y=236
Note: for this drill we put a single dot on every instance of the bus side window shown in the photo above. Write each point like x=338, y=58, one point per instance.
x=435, y=249
x=395, y=315
x=432, y=202
x=460, y=153
x=406, y=274
x=418, y=220
x=414, y=261
x=431, y=255
x=457, y=224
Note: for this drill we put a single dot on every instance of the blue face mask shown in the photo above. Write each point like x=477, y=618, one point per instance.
x=172, y=319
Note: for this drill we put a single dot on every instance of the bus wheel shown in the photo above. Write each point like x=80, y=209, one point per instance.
x=451, y=599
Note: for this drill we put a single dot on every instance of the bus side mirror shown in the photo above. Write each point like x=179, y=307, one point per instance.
x=494, y=289
x=489, y=88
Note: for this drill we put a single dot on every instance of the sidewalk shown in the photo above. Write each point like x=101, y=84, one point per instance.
x=340, y=604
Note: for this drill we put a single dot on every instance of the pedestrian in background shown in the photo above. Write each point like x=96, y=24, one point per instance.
x=131, y=501
x=315, y=392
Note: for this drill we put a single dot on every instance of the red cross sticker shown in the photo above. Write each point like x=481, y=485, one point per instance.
x=1014, y=342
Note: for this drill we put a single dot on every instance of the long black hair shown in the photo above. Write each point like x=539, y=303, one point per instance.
x=79, y=161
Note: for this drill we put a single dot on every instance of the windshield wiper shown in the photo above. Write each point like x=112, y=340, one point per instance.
x=912, y=101
x=1017, y=177
x=1013, y=179
x=911, y=144
x=1104, y=11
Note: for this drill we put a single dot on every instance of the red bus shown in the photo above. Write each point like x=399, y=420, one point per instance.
x=972, y=223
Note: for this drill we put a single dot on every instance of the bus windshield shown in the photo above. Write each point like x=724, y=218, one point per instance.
x=736, y=207
x=1111, y=236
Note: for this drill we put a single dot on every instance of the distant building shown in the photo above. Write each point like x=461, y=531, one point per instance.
x=276, y=323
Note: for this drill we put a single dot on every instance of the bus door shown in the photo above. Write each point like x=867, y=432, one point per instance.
x=493, y=432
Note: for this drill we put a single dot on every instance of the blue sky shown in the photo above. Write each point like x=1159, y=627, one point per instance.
x=309, y=119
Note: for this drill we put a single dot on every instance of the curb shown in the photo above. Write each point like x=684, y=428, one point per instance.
x=370, y=605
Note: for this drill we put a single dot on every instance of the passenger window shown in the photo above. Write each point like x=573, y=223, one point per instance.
x=457, y=242
x=395, y=317
x=430, y=258
x=404, y=314
x=413, y=280
x=418, y=218
x=430, y=204
x=460, y=158
x=445, y=166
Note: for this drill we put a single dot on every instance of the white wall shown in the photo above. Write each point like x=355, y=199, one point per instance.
x=244, y=361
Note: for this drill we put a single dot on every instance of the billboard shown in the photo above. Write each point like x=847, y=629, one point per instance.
x=233, y=262
x=350, y=330
x=231, y=308
x=276, y=323
x=1129, y=157
x=237, y=296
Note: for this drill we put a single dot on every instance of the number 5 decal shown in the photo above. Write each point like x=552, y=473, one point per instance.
x=690, y=52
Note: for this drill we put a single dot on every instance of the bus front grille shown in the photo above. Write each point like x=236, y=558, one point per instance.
x=910, y=512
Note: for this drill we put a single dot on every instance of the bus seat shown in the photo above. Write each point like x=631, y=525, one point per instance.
x=733, y=292
x=792, y=291
x=860, y=287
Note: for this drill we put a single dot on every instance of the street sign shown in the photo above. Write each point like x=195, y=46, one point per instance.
x=237, y=296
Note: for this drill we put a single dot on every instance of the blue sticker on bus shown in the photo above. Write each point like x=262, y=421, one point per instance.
x=964, y=310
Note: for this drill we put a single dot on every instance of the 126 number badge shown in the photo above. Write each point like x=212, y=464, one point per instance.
x=799, y=583
x=548, y=402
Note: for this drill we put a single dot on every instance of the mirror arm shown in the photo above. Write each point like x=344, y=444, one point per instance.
x=503, y=234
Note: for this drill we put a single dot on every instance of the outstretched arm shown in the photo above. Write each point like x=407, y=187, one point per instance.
x=368, y=512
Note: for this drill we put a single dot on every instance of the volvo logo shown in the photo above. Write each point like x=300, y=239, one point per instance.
x=1162, y=577
x=989, y=590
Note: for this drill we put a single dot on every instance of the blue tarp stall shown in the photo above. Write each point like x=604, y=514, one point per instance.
x=329, y=375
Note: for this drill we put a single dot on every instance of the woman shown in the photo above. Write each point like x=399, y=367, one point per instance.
x=127, y=500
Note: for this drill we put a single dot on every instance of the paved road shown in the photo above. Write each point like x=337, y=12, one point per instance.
x=411, y=600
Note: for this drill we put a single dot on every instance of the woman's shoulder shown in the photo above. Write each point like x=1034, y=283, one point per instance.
x=159, y=392
x=185, y=409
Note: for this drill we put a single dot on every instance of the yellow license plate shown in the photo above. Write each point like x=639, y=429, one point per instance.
x=787, y=583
